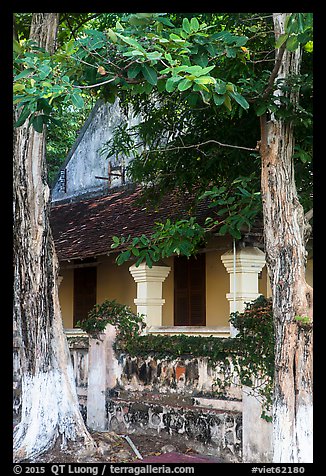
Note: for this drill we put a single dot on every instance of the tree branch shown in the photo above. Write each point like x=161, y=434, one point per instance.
x=96, y=85
x=128, y=80
x=308, y=216
x=203, y=143
x=275, y=71
x=85, y=20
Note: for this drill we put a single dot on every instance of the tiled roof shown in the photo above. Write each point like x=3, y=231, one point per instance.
x=85, y=228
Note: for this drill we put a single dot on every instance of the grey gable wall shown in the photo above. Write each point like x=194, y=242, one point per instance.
x=84, y=161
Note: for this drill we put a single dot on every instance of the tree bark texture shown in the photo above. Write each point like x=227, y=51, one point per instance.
x=49, y=400
x=284, y=228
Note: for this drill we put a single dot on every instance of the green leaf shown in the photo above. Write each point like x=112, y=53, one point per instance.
x=160, y=85
x=184, y=84
x=227, y=103
x=24, y=73
x=192, y=99
x=44, y=71
x=23, y=116
x=133, y=53
x=223, y=230
x=135, y=251
x=38, y=122
x=16, y=47
x=235, y=233
x=218, y=99
x=133, y=70
x=186, y=25
x=281, y=39
x=292, y=43
x=201, y=59
x=148, y=260
x=131, y=42
x=168, y=57
x=176, y=38
x=194, y=24
x=165, y=21
x=205, y=80
x=240, y=40
x=139, y=20
x=113, y=37
x=149, y=74
x=207, y=69
x=148, y=87
x=200, y=87
x=77, y=100
x=123, y=257
x=244, y=192
x=240, y=100
x=220, y=88
x=154, y=55
x=261, y=109
x=230, y=52
x=171, y=83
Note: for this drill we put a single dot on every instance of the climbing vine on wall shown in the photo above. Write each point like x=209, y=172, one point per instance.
x=254, y=363
x=246, y=359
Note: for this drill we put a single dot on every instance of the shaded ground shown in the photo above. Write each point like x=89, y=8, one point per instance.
x=115, y=449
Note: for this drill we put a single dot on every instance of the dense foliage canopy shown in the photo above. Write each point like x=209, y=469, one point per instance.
x=199, y=82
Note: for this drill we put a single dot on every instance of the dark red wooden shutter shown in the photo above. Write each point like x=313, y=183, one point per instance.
x=84, y=292
x=190, y=291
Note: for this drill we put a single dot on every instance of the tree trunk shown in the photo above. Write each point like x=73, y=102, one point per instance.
x=285, y=227
x=49, y=400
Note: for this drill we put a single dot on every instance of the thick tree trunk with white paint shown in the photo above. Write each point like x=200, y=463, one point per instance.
x=285, y=227
x=50, y=410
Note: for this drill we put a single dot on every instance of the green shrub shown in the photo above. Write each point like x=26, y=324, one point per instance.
x=128, y=324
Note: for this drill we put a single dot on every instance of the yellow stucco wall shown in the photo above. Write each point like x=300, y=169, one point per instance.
x=262, y=282
x=217, y=286
x=116, y=282
x=168, y=294
x=66, y=297
x=113, y=282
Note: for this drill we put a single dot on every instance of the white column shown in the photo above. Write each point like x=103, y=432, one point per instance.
x=247, y=264
x=149, y=291
x=102, y=376
x=256, y=432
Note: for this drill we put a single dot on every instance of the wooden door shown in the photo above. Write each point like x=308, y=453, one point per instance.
x=84, y=292
x=190, y=291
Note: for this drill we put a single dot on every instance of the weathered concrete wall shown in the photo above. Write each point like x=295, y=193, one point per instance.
x=148, y=395
x=257, y=445
x=208, y=431
x=182, y=376
x=80, y=359
x=84, y=162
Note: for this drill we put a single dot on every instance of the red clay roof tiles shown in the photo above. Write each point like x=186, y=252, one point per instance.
x=85, y=228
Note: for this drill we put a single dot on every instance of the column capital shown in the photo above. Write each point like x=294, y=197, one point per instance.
x=149, y=299
x=243, y=269
x=247, y=260
x=143, y=273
